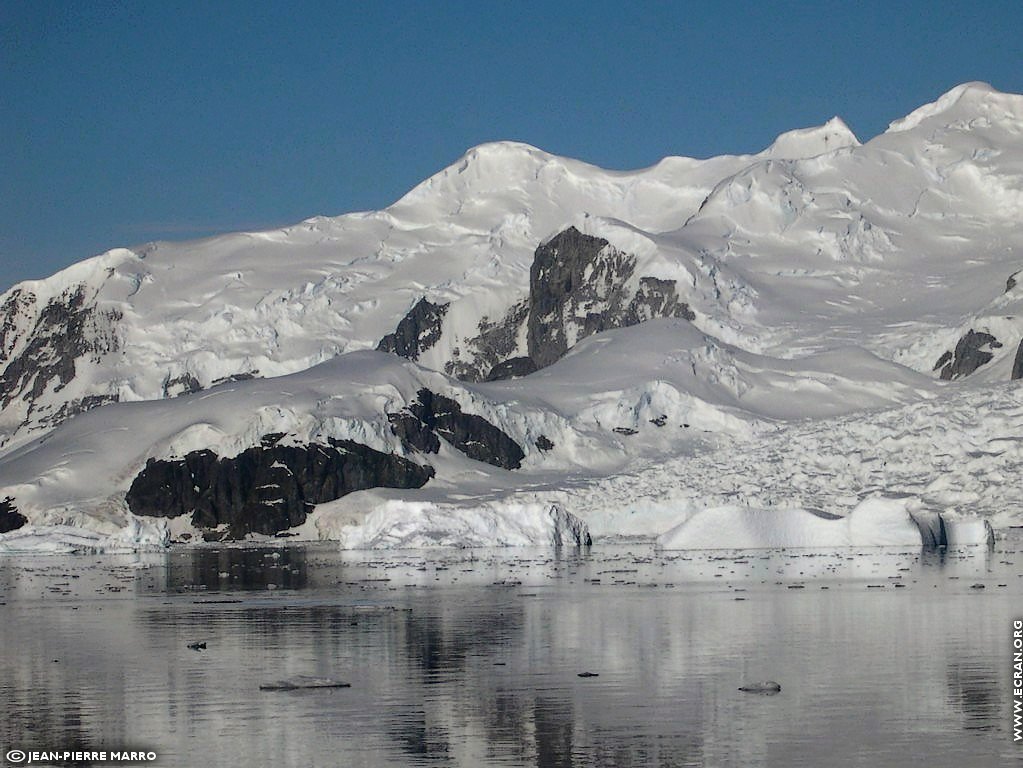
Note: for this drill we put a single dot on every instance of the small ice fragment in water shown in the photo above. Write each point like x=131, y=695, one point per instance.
x=303, y=681
x=768, y=687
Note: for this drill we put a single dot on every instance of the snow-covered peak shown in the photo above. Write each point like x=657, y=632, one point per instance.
x=961, y=105
x=810, y=142
x=502, y=154
x=92, y=271
x=485, y=168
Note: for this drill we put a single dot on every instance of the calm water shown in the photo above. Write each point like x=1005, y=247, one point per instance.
x=471, y=658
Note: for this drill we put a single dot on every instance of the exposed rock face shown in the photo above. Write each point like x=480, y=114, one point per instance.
x=80, y=405
x=513, y=368
x=417, y=331
x=574, y=280
x=655, y=298
x=268, y=488
x=1017, y=363
x=413, y=432
x=185, y=384
x=579, y=285
x=17, y=311
x=496, y=342
x=10, y=518
x=434, y=415
x=972, y=351
x=1011, y=282
x=544, y=443
x=243, y=376
x=41, y=354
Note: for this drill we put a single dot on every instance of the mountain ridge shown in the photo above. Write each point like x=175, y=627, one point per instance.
x=821, y=265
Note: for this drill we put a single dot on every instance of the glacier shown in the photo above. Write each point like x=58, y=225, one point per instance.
x=720, y=352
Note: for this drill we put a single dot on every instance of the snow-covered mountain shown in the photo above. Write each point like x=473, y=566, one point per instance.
x=525, y=345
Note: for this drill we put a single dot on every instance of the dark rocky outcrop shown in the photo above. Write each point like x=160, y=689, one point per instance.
x=231, y=379
x=417, y=331
x=265, y=489
x=432, y=416
x=79, y=405
x=1011, y=282
x=544, y=443
x=573, y=280
x=514, y=368
x=655, y=298
x=1017, y=363
x=10, y=518
x=67, y=329
x=18, y=307
x=578, y=286
x=413, y=432
x=185, y=384
x=491, y=349
x=972, y=351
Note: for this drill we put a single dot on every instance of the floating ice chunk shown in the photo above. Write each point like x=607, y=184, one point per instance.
x=968, y=531
x=300, y=682
x=874, y=522
x=415, y=524
x=940, y=530
x=768, y=687
x=137, y=536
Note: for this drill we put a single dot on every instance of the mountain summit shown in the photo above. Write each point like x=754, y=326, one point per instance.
x=527, y=348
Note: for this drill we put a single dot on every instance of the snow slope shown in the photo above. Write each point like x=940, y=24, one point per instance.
x=828, y=288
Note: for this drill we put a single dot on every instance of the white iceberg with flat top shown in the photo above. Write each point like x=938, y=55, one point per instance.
x=874, y=522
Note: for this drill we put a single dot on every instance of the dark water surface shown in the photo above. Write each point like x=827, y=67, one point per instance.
x=471, y=658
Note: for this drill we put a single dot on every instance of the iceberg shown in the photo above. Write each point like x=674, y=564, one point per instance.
x=417, y=524
x=874, y=522
x=137, y=536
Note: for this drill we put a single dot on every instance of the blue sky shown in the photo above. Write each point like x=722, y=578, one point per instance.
x=127, y=122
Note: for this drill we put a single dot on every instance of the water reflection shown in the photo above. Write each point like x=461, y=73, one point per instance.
x=238, y=568
x=472, y=658
x=415, y=737
x=973, y=691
